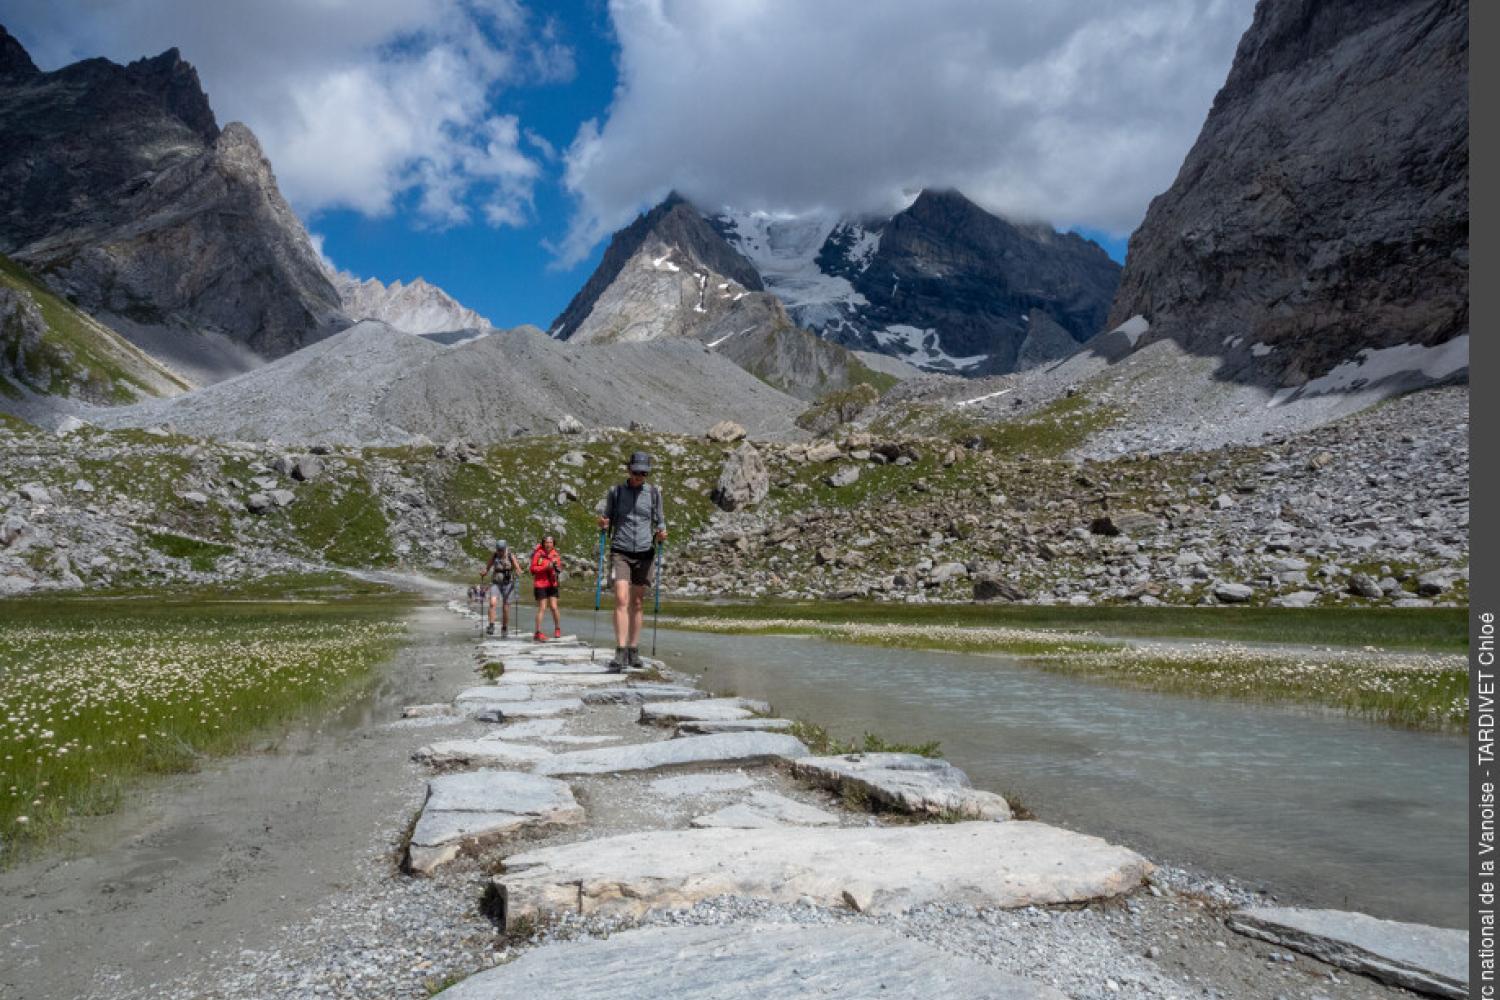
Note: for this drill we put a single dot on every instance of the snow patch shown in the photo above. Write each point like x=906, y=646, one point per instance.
x=663, y=264
x=1260, y=350
x=716, y=343
x=1375, y=365
x=980, y=399
x=1133, y=328
x=784, y=248
x=920, y=347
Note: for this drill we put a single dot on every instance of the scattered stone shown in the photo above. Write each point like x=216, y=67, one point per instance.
x=493, y=693
x=1361, y=585
x=194, y=498
x=427, y=711
x=871, y=869
x=545, y=708
x=989, y=588
x=691, y=751
x=943, y=572
x=825, y=452
x=905, y=782
x=639, y=694
x=480, y=753
x=766, y=809
x=455, y=529
x=789, y=962
x=283, y=498
x=258, y=503
x=744, y=479
x=845, y=475
x=306, y=468
x=704, y=727
x=35, y=492
x=474, y=809
x=1234, y=593
x=1416, y=957
x=1297, y=599
x=569, y=424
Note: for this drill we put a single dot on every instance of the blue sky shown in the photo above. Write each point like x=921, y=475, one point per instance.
x=491, y=146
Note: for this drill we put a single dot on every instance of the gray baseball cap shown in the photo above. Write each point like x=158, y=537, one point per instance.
x=639, y=462
x=500, y=544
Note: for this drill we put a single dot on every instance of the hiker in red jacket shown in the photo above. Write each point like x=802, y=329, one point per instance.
x=546, y=572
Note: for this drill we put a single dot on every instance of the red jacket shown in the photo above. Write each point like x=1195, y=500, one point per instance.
x=545, y=566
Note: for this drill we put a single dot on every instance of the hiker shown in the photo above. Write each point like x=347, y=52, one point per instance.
x=503, y=569
x=546, y=573
x=632, y=514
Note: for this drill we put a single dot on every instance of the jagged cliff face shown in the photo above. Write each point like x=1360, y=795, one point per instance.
x=942, y=284
x=420, y=307
x=118, y=188
x=1323, y=210
x=670, y=275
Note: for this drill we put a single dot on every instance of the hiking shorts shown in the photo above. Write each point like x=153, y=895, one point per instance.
x=506, y=592
x=637, y=567
x=542, y=593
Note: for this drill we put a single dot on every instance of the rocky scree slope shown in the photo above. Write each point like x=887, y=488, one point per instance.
x=943, y=284
x=419, y=307
x=1322, y=213
x=670, y=275
x=371, y=384
x=1371, y=510
x=119, y=190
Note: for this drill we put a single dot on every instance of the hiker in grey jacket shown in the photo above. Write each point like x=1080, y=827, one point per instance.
x=632, y=513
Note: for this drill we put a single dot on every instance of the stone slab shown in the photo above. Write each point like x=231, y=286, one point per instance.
x=639, y=694
x=905, y=782
x=871, y=869
x=561, y=681
x=478, y=753
x=505, y=711
x=704, y=727
x=788, y=962
x=531, y=729
x=494, y=692
x=714, y=709
x=427, y=711
x=691, y=751
x=766, y=809
x=476, y=808
x=532, y=666
x=1423, y=959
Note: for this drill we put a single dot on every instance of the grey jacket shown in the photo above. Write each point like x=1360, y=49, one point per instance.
x=635, y=516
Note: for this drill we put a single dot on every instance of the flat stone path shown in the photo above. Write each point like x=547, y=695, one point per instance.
x=870, y=869
x=709, y=709
x=691, y=751
x=469, y=810
x=904, y=782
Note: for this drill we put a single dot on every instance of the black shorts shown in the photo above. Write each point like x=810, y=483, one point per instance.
x=637, y=567
x=542, y=593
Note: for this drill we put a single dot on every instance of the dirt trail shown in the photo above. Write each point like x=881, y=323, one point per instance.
x=219, y=859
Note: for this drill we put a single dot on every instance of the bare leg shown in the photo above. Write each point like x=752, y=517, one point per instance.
x=556, y=621
x=622, y=612
x=637, y=612
x=493, y=599
x=504, y=613
x=539, y=606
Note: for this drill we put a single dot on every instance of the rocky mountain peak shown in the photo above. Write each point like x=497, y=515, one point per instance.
x=15, y=63
x=418, y=307
x=175, y=82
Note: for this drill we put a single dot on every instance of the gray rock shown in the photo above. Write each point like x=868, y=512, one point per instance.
x=283, y=498
x=943, y=572
x=493, y=693
x=258, y=503
x=569, y=424
x=707, y=709
x=749, y=963
x=306, y=468
x=990, y=588
x=475, y=809
x=35, y=492
x=725, y=432
x=639, y=694
x=82, y=486
x=479, y=753
x=691, y=751
x=844, y=475
x=455, y=529
x=576, y=459
x=194, y=498
x=1361, y=585
x=1416, y=957
x=704, y=727
x=743, y=480
x=871, y=869
x=765, y=809
x=827, y=451
x=1233, y=593
x=1296, y=599
x=693, y=785
x=905, y=782
x=428, y=711
x=543, y=708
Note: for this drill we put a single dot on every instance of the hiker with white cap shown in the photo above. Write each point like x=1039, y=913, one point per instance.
x=632, y=513
x=503, y=569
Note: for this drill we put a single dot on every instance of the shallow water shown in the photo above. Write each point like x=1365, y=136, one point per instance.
x=1317, y=808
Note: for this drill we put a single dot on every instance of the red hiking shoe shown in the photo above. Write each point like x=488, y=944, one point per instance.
x=538, y=637
x=557, y=633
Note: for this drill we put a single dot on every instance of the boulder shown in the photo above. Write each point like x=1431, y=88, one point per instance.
x=743, y=480
x=765, y=809
x=194, y=499
x=943, y=572
x=455, y=529
x=639, y=694
x=1233, y=593
x=904, y=782
x=569, y=424
x=1361, y=585
x=1431, y=960
x=306, y=468
x=504, y=711
x=1297, y=599
x=574, y=458
x=691, y=751
x=876, y=870
x=747, y=962
x=725, y=432
x=990, y=588
x=429, y=711
x=825, y=452
x=844, y=475
x=35, y=492
x=707, y=709
x=283, y=498
x=258, y=503
x=475, y=809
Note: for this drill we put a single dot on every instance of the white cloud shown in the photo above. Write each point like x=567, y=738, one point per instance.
x=358, y=103
x=1071, y=111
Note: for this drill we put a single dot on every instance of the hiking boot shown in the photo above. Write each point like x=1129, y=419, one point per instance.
x=636, y=663
x=489, y=629
x=619, y=663
x=557, y=633
x=538, y=637
x=504, y=633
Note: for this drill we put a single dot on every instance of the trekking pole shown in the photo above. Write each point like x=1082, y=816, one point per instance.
x=598, y=597
x=656, y=611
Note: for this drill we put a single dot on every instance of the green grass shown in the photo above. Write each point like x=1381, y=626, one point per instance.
x=1436, y=629
x=821, y=742
x=342, y=522
x=201, y=555
x=96, y=693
